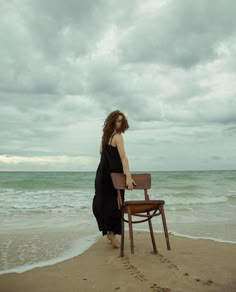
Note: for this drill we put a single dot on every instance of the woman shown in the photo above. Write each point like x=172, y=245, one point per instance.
x=113, y=159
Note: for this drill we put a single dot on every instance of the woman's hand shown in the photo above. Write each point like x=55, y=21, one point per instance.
x=130, y=182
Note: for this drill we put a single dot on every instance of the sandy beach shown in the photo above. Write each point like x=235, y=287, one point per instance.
x=191, y=265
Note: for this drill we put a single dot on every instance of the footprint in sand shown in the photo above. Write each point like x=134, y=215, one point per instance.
x=140, y=276
x=166, y=261
x=208, y=282
x=133, y=270
x=156, y=288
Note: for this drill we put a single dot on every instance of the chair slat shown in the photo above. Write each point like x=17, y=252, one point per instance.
x=143, y=180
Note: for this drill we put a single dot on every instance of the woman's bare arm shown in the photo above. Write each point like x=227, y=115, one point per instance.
x=123, y=156
x=100, y=150
x=124, y=159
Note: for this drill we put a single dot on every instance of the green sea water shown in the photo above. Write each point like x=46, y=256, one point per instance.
x=53, y=210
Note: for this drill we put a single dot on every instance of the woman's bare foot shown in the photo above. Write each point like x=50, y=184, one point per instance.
x=111, y=237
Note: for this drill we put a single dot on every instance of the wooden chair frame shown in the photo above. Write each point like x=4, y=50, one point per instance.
x=138, y=208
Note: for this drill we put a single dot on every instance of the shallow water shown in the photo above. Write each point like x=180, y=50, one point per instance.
x=47, y=216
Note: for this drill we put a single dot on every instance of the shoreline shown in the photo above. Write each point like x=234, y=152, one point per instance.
x=67, y=255
x=190, y=265
x=77, y=251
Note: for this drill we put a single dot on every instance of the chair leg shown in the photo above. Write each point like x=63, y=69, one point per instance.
x=165, y=227
x=152, y=234
x=130, y=231
x=122, y=235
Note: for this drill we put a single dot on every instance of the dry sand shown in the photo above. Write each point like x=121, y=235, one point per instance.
x=191, y=265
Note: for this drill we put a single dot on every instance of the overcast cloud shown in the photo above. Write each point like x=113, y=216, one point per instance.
x=170, y=66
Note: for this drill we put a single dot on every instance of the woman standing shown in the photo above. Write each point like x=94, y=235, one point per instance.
x=113, y=159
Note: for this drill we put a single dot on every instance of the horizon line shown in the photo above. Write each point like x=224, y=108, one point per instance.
x=131, y=171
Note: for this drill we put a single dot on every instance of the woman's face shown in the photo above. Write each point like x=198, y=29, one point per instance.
x=119, y=121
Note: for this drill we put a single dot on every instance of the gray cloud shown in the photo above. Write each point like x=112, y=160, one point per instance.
x=169, y=65
x=181, y=33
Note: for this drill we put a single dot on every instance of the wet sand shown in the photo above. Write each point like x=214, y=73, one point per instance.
x=191, y=265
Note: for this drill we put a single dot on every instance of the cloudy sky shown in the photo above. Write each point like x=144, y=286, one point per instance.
x=170, y=66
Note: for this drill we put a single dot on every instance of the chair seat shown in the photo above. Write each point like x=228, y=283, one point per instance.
x=140, y=206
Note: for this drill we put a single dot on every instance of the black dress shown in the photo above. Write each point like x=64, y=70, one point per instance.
x=105, y=205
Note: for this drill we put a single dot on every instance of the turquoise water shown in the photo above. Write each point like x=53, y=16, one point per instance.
x=47, y=215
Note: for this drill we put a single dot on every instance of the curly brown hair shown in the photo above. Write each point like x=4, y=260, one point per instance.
x=109, y=125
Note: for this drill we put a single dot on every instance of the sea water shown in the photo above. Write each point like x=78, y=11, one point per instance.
x=46, y=217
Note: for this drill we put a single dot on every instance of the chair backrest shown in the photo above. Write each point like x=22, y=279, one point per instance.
x=143, y=180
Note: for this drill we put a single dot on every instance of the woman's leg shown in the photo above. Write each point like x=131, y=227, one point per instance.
x=112, y=238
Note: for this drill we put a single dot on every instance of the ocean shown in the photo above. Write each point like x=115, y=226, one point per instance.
x=46, y=217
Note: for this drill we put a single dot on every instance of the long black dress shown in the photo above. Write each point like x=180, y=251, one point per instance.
x=105, y=205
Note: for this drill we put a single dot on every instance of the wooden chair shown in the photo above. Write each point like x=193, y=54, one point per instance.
x=141, y=208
